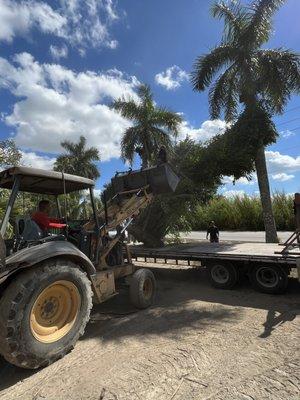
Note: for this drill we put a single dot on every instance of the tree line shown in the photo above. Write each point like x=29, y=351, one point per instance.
x=243, y=213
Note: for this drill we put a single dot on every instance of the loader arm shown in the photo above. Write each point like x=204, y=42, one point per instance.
x=126, y=205
x=129, y=194
x=122, y=209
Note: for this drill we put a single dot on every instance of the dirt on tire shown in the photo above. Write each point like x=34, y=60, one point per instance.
x=17, y=344
x=196, y=342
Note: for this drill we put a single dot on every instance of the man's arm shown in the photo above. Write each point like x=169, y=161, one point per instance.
x=56, y=223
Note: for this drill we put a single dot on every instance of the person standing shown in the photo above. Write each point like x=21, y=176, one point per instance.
x=213, y=233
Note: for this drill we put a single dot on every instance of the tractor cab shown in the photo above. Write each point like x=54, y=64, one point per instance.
x=54, y=186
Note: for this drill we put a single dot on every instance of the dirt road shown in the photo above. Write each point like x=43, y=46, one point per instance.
x=240, y=236
x=195, y=343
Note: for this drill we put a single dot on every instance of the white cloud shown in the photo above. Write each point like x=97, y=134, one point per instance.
x=97, y=192
x=245, y=181
x=58, y=52
x=280, y=168
x=282, y=177
x=278, y=162
x=207, y=131
x=172, y=78
x=57, y=104
x=19, y=17
x=287, y=133
x=31, y=159
x=233, y=193
x=81, y=23
x=241, y=181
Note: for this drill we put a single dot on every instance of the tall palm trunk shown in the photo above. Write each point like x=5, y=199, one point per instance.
x=265, y=196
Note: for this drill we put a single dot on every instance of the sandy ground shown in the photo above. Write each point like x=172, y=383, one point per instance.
x=196, y=342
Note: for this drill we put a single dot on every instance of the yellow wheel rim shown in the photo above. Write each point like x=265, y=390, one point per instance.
x=55, y=311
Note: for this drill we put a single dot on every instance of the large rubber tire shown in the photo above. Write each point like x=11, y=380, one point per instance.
x=19, y=344
x=270, y=279
x=142, y=288
x=223, y=275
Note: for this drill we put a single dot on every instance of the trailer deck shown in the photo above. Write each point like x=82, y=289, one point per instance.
x=234, y=251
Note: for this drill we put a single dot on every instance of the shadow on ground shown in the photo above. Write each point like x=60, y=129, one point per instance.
x=180, y=304
x=11, y=375
x=173, y=312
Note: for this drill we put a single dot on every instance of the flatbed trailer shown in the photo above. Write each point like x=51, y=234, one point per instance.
x=267, y=268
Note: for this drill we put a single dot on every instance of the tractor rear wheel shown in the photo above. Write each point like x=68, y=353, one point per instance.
x=43, y=312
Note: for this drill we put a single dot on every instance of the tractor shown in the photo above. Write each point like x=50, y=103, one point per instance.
x=49, y=281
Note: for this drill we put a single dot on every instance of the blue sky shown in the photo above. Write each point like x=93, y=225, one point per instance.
x=62, y=62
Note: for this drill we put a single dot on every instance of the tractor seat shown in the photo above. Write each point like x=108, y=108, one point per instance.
x=28, y=230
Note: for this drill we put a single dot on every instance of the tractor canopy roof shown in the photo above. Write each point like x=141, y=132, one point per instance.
x=42, y=181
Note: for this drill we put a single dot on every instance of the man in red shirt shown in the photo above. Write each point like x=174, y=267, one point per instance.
x=41, y=217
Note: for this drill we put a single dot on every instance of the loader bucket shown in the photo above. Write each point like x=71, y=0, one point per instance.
x=161, y=179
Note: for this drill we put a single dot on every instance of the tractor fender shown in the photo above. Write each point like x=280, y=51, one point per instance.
x=33, y=255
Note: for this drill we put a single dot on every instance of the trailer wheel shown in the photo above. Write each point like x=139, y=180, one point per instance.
x=271, y=279
x=142, y=288
x=223, y=275
x=43, y=312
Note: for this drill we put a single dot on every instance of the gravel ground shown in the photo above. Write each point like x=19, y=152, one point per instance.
x=196, y=342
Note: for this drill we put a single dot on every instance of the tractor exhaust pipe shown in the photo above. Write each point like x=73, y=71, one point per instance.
x=2, y=253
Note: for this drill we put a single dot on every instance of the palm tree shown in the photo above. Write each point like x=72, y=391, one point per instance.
x=152, y=126
x=78, y=159
x=9, y=153
x=249, y=76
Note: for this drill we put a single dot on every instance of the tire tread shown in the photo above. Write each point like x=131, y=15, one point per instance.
x=12, y=347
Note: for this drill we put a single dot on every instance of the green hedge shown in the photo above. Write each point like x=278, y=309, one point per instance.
x=243, y=213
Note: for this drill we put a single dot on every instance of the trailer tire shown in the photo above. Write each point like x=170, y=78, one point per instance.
x=142, y=288
x=223, y=275
x=43, y=312
x=270, y=279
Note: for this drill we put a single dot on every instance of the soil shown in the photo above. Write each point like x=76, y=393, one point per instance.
x=196, y=342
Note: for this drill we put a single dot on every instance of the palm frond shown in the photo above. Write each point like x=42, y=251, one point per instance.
x=260, y=21
x=127, y=108
x=78, y=159
x=68, y=146
x=224, y=95
x=144, y=92
x=129, y=142
x=92, y=153
x=234, y=17
x=208, y=65
x=152, y=126
x=165, y=118
x=279, y=76
x=160, y=138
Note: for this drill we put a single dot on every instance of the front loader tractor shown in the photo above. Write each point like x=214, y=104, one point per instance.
x=49, y=280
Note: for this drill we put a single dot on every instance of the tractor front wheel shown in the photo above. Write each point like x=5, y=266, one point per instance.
x=43, y=312
x=142, y=288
